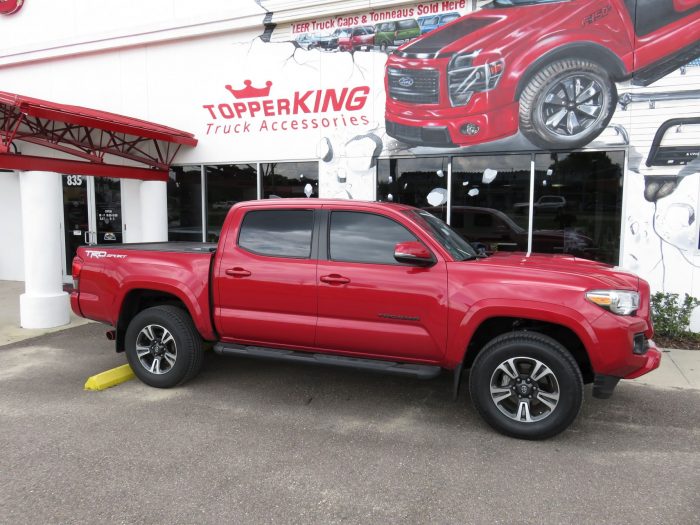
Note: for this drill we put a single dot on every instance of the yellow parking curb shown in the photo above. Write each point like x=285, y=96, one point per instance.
x=109, y=378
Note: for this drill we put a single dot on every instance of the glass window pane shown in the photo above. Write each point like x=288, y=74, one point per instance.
x=289, y=179
x=578, y=204
x=226, y=185
x=185, y=203
x=417, y=182
x=108, y=207
x=365, y=238
x=490, y=200
x=278, y=233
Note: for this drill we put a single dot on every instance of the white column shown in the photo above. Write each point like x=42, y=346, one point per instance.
x=154, y=211
x=44, y=303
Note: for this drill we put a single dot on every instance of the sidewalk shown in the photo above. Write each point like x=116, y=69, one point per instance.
x=679, y=368
x=10, y=331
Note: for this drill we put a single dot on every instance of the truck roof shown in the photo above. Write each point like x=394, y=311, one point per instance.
x=318, y=203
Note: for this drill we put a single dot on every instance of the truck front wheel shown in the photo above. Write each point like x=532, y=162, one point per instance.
x=526, y=385
x=163, y=347
x=567, y=104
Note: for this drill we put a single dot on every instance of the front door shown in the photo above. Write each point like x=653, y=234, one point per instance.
x=370, y=304
x=92, y=214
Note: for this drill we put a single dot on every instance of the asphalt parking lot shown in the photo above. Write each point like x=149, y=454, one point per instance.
x=259, y=442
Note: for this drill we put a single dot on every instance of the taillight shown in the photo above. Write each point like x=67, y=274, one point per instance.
x=75, y=271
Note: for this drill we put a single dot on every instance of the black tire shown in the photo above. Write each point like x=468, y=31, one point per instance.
x=186, y=342
x=536, y=110
x=527, y=348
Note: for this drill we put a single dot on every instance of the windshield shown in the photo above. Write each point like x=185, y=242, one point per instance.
x=458, y=248
x=511, y=3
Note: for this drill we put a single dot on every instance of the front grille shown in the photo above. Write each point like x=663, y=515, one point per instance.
x=416, y=86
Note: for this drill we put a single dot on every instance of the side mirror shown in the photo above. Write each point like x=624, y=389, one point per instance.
x=414, y=253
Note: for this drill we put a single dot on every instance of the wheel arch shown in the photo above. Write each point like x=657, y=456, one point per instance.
x=567, y=328
x=580, y=50
x=138, y=299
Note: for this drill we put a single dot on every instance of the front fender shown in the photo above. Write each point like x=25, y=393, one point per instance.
x=486, y=309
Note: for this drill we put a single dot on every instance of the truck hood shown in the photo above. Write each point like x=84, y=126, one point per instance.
x=596, y=274
x=490, y=29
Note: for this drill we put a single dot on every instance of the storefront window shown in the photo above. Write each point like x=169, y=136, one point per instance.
x=185, y=204
x=289, y=179
x=578, y=204
x=490, y=200
x=417, y=182
x=226, y=185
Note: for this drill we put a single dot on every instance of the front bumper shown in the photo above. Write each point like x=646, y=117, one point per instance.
x=430, y=128
x=653, y=360
x=604, y=385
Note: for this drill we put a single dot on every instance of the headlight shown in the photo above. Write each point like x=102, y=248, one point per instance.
x=620, y=302
x=464, y=79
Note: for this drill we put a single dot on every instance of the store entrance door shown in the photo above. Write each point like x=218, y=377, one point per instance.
x=92, y=214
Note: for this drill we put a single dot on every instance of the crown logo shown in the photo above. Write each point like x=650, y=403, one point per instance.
x=249, y=91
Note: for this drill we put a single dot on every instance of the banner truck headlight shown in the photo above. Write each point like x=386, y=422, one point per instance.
x=464, y=78
x=620, y=302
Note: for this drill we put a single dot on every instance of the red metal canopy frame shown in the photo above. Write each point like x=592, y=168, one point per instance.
x=88, y=135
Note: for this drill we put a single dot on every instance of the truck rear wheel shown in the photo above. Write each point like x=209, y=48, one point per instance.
x=163, y=346
x=567, y=104
x=526, y=385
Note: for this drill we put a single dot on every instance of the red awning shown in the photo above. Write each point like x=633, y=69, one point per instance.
x=88, y=135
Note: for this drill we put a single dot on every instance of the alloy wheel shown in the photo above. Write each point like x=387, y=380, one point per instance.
x=524, y=389
x=156, y=349
x=573, y=105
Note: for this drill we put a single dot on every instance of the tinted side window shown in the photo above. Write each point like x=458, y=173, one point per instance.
x=407, y=24
x=278, y=233
x=365, y=238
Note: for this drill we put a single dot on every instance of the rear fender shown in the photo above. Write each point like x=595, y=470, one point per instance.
x=198, y=309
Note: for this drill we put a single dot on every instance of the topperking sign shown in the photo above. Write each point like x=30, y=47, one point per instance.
x=9, y=7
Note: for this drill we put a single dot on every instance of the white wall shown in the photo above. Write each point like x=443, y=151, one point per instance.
x=12, y=259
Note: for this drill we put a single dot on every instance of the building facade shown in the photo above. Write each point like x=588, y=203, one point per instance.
x=565, y=127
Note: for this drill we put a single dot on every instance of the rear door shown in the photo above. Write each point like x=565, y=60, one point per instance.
x=368, y=302
x=265, y=284
x=664, y=29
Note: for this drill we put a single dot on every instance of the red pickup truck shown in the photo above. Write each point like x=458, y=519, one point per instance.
x=380, y=287
x=545, y=67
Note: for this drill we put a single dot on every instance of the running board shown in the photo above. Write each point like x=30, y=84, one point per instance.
x=374, y=365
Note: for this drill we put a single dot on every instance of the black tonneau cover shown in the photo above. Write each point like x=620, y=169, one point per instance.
x=186, y=247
